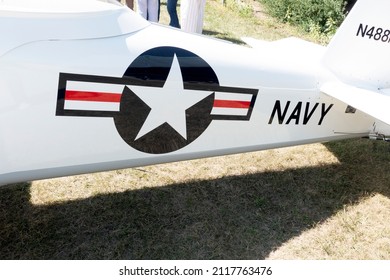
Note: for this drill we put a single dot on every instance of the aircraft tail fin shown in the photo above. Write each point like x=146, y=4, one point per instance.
x=359, y=52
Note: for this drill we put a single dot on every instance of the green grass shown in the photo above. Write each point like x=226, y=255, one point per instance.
x=310, y=202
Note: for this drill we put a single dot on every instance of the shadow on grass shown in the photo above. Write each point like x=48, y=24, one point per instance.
x=239, y=217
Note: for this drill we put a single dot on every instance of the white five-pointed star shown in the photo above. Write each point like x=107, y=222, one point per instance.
x=169, y=103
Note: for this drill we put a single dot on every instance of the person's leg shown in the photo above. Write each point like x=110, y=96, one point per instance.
x=142, y=8
x=201, y=7
x=187, y=15
x=171, y=7
x=153, y=8
x=191, y=12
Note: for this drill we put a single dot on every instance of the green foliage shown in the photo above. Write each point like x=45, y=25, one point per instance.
x=319, y=16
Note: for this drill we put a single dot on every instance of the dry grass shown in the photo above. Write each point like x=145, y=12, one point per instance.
x=355, y=232
x=46, y=192
x=310, y=202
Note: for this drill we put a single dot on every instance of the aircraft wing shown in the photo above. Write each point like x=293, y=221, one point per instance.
x=375, y=103
x=290, y=45
x=255, y=43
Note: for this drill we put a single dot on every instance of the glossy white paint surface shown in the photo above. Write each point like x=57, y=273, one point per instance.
x=102, y=39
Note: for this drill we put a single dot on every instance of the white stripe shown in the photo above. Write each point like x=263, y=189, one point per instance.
x=91, y=106
x=233, y=96
x=229, y=111
x=94, y=87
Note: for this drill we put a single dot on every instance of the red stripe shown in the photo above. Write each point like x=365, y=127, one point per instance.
x=231, y=104
x=92, y=96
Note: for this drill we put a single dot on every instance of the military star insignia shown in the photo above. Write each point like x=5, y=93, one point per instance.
x=169, y=103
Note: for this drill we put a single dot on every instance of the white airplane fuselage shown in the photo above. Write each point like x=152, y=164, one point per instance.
x=148, y=94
